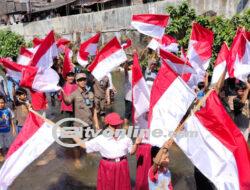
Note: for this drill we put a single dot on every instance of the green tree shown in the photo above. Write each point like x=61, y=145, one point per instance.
x=224, y=29
x=10, y=43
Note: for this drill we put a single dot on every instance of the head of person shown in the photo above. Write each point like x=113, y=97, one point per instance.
x=152, y=64
x=21, y=94
x=248, y=78
x=81, y=80
x=200, y=90
x=70, y=77
x=240, y=88
x=164, y=158
x=2, y=102
x=113, y=120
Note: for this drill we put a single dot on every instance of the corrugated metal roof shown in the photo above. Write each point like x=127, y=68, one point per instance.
x=7, y=7
x=38, y=6
x=91, y=2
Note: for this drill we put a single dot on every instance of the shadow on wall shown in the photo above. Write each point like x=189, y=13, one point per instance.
x=241, y=5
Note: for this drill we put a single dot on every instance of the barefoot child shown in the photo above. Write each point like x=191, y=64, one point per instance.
x=7, y=127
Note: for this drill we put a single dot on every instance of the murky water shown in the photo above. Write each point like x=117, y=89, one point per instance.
x=60, y=174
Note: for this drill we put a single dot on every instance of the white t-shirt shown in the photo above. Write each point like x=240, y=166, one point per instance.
x=109, y=147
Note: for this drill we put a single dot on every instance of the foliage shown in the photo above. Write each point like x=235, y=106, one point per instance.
x=224, y=29
x=10, y=43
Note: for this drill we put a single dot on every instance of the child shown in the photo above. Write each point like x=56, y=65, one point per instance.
x=159, y=177
x=6, y=127
x=21, y=107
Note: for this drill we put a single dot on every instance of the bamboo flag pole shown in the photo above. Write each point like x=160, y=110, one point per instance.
x=170, y=141
x=42, y=117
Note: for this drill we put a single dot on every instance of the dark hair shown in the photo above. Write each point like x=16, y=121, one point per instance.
x=2, y=98
x=20, y=91
x=154, y=151
x=240, y=86
x=70, y=74
x=248, y=78
x=201, y=85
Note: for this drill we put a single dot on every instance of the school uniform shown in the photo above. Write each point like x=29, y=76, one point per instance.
x=143, y=157
x=113, y=171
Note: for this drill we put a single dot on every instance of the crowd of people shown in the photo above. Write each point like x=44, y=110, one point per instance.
x=85, y=98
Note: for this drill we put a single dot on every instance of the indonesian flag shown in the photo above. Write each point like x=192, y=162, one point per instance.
x=37, y=41
x=35, y=137
x=67, y=64
x=34, y=78
x=127, y=44
x=111, y=56
x=220, y=63
x=217, y=148
x=200, y=47
x=47, y=50
x=169, y=101
x=150, y=24
x=141, y=94
x=167, y=43
x=87, y=48
x=176, y=63
x=25, y=55
x=61, y=44
x=239, y=56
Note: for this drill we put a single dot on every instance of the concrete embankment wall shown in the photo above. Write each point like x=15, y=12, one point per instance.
x=115, y=21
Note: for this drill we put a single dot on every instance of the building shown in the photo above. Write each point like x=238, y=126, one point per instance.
x=15, y=11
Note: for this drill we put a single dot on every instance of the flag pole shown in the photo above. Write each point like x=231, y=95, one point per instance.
x=42, y=117
x=180, y=127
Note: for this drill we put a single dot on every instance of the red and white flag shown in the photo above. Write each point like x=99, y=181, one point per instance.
x=24, y=57
x=37, y=41
x=140, y=91
x=127, y=44
x=47, y=50
x=110, y=57
x=87, y=48
x=176, y=63
x=31, y=77
x=169, y=101
x=217, y=147
x=167, y=43
x=62, y=45
x=200, y=46
x=220, y=63
x=35, y=137
x=67, y=64
x=150, y=24
x=239, y=56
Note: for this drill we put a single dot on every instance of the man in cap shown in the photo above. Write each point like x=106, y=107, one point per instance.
x=83, y=100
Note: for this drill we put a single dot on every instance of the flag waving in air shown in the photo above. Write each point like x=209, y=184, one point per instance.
x=218, y=148
x=169, y=101
x=141, y=94
x=239, y=56
x=220, y=63
x=150, y=24
x=35, y=137
x=30, y=77
x=87, y=48
x=110, y=57
x=47, y=50
x=177, y=64
x=167, y=43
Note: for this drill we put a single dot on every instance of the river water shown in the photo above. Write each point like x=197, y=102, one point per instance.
x=59, y=172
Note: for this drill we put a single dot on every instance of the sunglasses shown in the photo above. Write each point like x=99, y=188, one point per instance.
x=81, y=79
